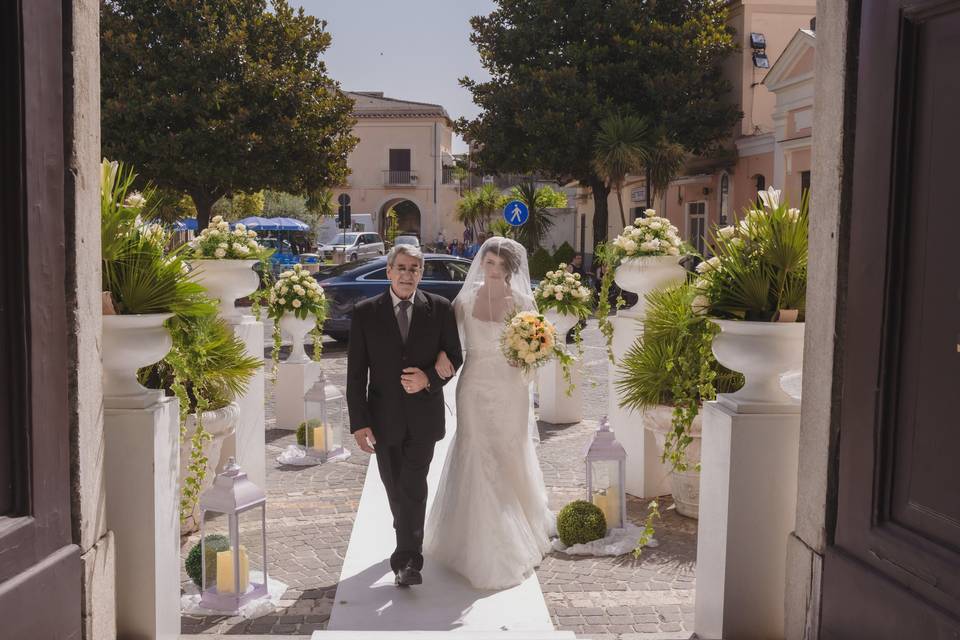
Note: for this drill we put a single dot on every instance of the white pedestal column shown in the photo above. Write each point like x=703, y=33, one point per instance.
x=248, y=444
x=141, y=466
x=293, y=380
x=748, y=495
x=555, y=405
x=646, y=475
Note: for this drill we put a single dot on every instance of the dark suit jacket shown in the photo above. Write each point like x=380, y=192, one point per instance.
x=377, y=357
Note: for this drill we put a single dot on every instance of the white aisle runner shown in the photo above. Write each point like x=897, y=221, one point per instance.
x=368, y=600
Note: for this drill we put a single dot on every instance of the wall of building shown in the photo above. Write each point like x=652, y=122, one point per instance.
x=82, y=207
x=428, y=140
x=807, y=543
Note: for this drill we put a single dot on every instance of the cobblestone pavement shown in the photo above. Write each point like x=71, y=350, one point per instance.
x=311, y=512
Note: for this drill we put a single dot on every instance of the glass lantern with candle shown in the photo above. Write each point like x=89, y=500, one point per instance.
x=236, y=508
x=325, y=416
x=606, y=475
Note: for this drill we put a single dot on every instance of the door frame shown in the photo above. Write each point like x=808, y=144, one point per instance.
x=40, y=568
x=689, y=217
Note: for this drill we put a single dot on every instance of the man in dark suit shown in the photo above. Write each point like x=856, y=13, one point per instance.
x=395, y=396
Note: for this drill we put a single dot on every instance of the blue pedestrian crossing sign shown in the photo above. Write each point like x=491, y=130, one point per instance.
x=516, y=213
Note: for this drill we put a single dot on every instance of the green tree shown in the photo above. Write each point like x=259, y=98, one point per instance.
x=558, y=67
x=540, y=221
x=622, y=147
x=479, y=206
x=212, y=98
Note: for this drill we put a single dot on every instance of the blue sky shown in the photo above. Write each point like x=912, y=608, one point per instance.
x=414, y=49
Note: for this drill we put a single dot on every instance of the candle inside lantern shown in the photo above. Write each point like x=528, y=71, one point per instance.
x=611, y=512
x=225, y=570
x=319, y=438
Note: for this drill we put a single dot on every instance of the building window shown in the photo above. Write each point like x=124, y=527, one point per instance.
x=804, y=183
x=724, y=198
x=761, y=185
x=697, y=225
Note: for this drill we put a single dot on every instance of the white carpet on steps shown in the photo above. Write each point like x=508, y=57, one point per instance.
x=368, y=600
x=439, y=635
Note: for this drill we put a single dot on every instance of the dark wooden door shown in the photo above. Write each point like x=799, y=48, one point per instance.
x=892, y=566
x=40, y=576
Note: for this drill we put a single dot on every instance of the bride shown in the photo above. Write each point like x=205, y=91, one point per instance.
x=490, y=521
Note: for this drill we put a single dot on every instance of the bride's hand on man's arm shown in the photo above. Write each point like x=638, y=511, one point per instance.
x=443, y=366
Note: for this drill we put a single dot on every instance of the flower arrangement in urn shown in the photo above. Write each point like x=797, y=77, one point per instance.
x=759, y=270
x=297, y=305
x=649, y=236
x=563, y=292
x=219, y=242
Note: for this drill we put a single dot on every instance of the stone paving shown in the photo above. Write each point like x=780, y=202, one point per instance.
x=311, y=512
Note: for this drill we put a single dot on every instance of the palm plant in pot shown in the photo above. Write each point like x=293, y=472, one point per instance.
x=755, y=289
x=143, y=287
x=206, y=369
x=669, y=372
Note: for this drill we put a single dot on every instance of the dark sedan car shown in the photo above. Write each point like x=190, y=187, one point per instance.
x=347, y=284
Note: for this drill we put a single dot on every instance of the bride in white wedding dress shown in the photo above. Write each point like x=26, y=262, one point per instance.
x=490, y=521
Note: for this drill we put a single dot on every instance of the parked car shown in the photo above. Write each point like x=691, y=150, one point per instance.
x=407, y=239
x=354, y=245
x=347, y=284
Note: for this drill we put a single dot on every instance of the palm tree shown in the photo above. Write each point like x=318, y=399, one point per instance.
x=478, y=206
x=665, y=162
x=623, y=146
x=541, y=220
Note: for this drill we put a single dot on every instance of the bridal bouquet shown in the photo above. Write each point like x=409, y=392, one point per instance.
x=218, y=242
x=529, y=340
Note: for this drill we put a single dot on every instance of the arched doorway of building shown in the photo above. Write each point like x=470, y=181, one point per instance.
x=408, y=217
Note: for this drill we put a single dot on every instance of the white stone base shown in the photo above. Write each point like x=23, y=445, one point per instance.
x=646, y=475
x=748, y=492
x=248, y=444
x=141, y=466
x=556, y=407
x=293, y=381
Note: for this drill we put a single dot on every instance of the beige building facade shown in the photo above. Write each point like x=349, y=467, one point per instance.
x=769, y=146
x=403, y=160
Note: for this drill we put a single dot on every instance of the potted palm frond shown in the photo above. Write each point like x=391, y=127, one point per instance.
x=668, y=373
x=206, y=369
x=143, y=287
x=754, y=289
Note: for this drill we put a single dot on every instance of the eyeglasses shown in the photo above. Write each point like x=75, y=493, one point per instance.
x=404, y=270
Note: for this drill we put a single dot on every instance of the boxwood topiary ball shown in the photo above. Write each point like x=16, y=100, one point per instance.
x=215, y=543
x=580, y=522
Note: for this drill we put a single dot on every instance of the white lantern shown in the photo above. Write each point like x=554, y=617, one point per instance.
x=325, y=416
x=234, y=572
x=606, y=475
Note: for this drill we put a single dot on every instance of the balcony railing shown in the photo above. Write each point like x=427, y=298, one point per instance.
x=394, y=178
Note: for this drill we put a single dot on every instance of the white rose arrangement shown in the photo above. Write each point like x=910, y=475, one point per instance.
x=297, y=292
x=219, y=242
x=563, y=292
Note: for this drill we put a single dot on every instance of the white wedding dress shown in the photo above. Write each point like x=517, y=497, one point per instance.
x=490, y=520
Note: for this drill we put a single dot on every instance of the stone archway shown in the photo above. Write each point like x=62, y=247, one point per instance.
x=408, y=216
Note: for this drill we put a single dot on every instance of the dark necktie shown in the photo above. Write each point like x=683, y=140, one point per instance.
x=402, y=318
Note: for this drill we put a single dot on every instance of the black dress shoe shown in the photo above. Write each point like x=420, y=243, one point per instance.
x=408, y=576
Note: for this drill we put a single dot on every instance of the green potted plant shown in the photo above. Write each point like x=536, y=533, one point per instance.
x=143, y=287
x=754, y=289
x=222, y=261
x=668, y=373
x=206, y=369
x=645, y=256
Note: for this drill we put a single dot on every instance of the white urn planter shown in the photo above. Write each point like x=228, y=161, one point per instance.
x=131, y=342
x=297, y=329
x=220, y=424
x=685, y=485
x=762, y=352
x=556, y=406
x=644, y=274
x=227, y=280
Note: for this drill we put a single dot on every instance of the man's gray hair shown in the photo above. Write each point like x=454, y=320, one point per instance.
x=407, y=250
